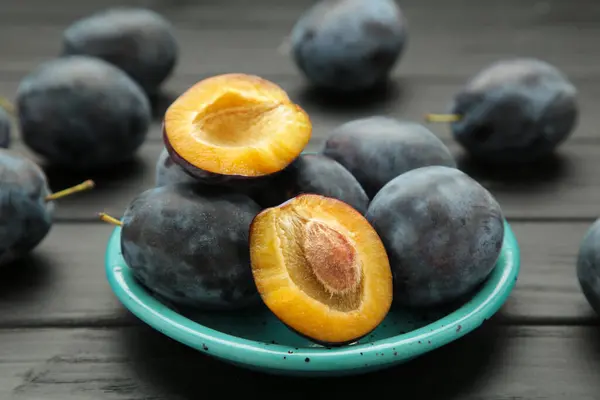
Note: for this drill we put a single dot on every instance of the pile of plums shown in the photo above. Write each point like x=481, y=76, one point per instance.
x=86, y=110
x=328, y=241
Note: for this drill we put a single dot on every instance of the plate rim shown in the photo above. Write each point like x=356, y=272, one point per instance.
x=402, y=347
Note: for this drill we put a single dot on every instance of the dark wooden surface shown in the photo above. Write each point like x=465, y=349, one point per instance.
x=63, y=335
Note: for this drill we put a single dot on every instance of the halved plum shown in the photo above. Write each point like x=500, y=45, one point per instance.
x=235, y=127
x=321, y=268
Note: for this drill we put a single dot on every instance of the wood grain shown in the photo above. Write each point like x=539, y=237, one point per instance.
x=554, y=363
x=63, y=282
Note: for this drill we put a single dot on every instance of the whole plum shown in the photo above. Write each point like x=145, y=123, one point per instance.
x=315, y=174
x=25, y=215
x=190, y=245
x=378, y=149
x=137, y=40
x=443, y=233
x=588, y=266
x=82, y=113
x=516, y=110
x=349, y=45
x=168, y=172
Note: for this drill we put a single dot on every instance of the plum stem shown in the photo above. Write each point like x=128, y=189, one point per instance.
x=66, y=192
x=111, y=220
x=7, y=105
x=442, y=117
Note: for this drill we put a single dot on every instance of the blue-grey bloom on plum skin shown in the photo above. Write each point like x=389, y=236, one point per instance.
x=378, y=149
x=349, y=45
x=137, y=40
x=25, y=215
x=189, y=244
x=515, y=111
x=443, y=233
x=588, y=266
x=82, y=113
x=167, y=172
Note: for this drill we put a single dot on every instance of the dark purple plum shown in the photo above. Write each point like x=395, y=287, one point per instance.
x=349, y=45
x=5, y=128
x=137, y=40
x=82, y=113
x=189, y=244
x=316, y=174
x=588, y=266
x=25, y=215
x=378, y=149
x=168, y=172
x=443, y=233
x=516, y=110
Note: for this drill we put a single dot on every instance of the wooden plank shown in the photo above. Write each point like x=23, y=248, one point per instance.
x=561, y=188
x=63, y=282
x=553, y=363
x=222, y=41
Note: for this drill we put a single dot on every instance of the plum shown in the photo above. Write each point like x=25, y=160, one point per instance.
x=5, y=128
x=137, y=40
x=26, y=205
x=514, y=111
x=189, y=245
x=82, y=113
x=588, y=266
x=442, y=231
x=168, y=172
x=315, y=174
x=378, y=149
x=349, y=45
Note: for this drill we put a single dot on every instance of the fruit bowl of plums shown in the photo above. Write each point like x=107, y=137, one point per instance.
x=366, y=253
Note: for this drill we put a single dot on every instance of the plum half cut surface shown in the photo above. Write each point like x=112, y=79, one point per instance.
x=235, y=127
x=321, y=268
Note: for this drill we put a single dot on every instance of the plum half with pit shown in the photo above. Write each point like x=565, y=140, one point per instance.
x=26, y=205
x=189, y=245
x=442, y=231
x=514, y=111
x=349, y=45
x=82, y=113
x=378, y=149
x=139, y=41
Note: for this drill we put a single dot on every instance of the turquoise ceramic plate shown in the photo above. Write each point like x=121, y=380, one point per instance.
x=258, y=341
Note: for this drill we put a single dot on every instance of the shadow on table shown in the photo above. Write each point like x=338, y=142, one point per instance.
x=25, y=277
x=450, y=372
x=528, y=176
x=372, y=100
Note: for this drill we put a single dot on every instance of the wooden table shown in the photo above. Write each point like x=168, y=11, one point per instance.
x=63, y=335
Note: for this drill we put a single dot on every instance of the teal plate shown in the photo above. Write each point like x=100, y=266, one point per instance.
x=258, y=341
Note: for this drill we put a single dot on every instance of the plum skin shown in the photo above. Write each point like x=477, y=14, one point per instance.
x=190, y=245
x=25, y=216
x=82, y=112
x=167, y=172
x=588, y=266
x=443, y=233
x=349, y=45
x=378, y=149
x=5, y=128
x=139, y=41
x=515, y=111
x=316, y=174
